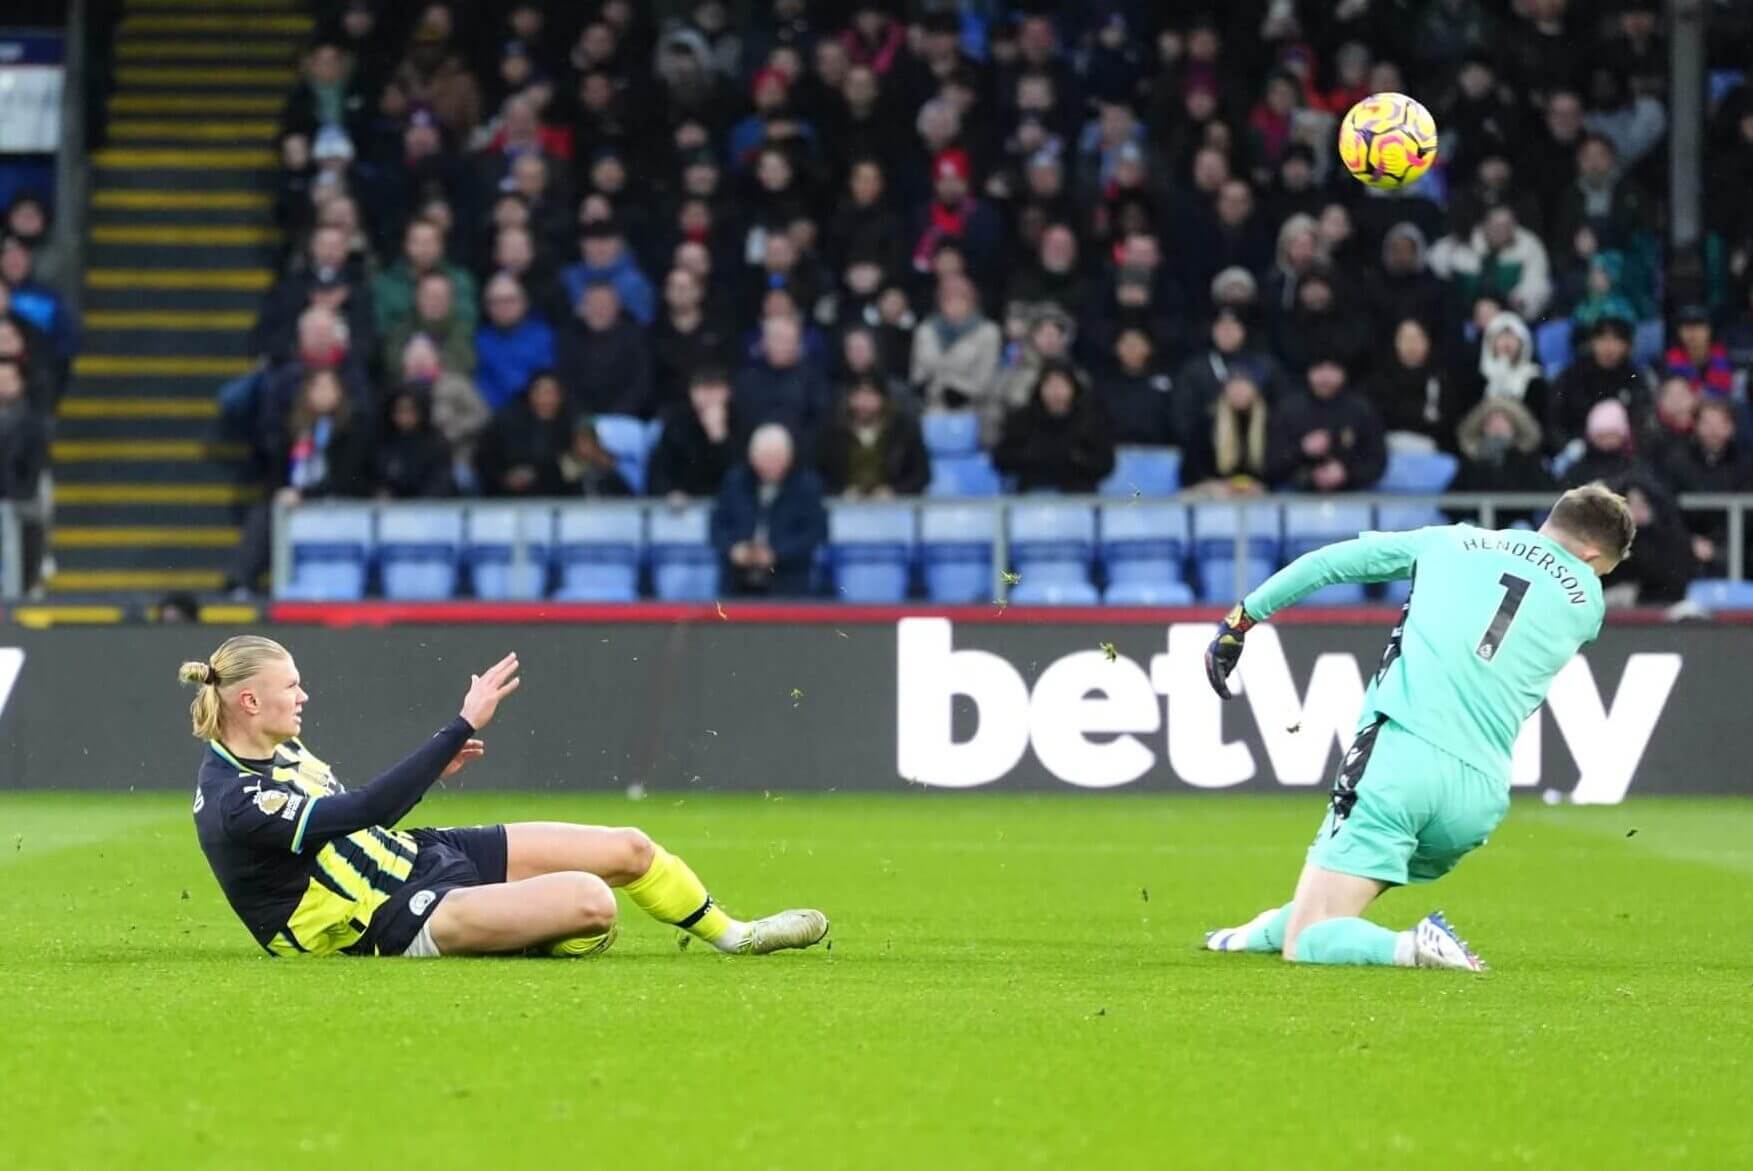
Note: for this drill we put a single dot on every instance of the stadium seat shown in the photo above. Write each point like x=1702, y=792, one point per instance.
x=597, y=549
x=963, y=475
x=1311, y=524
x=1721, y=594
x=418, y=548
x=1215, y=530
x=1553, y=346
x=1052, y=540
x=684, y=565
x=328, y=545
x=1144, y=471
x=1148, y=593
x=1054, y=593
x=1420, y=472
x=951, y=432
x=1144, y=543
x=509, y=549
x=956, y=551
x=628, y=440
x=871, y=551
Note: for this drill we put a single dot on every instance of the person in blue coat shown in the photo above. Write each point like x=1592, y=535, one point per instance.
x=513, y=345
x=769, y=520
x=605, y=259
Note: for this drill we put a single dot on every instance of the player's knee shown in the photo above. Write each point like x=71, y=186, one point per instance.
x=593, y=904
x=633, y=853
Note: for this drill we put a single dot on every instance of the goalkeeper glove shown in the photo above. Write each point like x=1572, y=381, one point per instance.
x=1225, y=650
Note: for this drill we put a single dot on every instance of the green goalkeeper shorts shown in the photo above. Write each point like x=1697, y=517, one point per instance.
x=1404, y=810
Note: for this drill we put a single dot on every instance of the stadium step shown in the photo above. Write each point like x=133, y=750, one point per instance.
x=137, y=48
x=76, y=536
x=146, y=103
x=136, y=130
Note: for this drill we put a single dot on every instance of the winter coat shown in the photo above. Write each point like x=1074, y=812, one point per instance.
x=1354, y=430
x=392, y=294
x=899, y=453
x=1516, y=468
x=454, y=338
x=607, y=372
x=685, y=459
x=795, y=524
x=1140, y=407
x=516, y=438
x=413, y=465
x=797, y=397
x=24, y=451
x=961, y=374
x=1521, y=273
x=1066, y=453
x=1422, y=400
x=1585, y=383
x=508, y=358
x=638, y=298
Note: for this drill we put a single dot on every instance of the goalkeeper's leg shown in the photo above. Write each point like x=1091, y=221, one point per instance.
x=660, y=883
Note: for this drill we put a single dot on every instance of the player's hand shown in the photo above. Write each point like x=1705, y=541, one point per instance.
x=1225, y=650
x=487, y=689
x=470, y=751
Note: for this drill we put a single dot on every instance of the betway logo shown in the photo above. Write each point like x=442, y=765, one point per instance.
x=11, y=663
x=1088, y=719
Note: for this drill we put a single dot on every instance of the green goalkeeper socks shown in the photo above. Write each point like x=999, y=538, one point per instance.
x=1266, y=934
x=1350, y=941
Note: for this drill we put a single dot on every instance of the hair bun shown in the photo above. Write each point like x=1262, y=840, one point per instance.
x=198, y=673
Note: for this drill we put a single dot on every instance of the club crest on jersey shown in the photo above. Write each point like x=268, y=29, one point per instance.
x=269, y=801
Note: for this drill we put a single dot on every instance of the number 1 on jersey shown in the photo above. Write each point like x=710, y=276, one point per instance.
x=1514, y=589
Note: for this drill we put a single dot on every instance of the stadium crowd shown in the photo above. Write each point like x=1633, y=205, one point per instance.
x=791, y=231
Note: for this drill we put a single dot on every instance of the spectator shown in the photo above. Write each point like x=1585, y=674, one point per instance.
x=1602, y=293
x=436, y=317
x=323, y=344
x=1297, y=254
x=1418, y=402
x=1604, y=371
x=1699, y=358
x=39, y=304
x=457, y=408
x=27, y=217
x=1226, y=447
x=327, y=275
x=780, y=387
x=392, y=293
x=1659, y=567
x=40, y=388
x=1323, y=325
x=686, y=339
x=605, y=259
x=1404, y=286
x=955, y=214
x=873, y=448
x=956, y=350
x=1602, y=199
x=699, y=441
x=324, y=96
x=24, y=445
x=519, y=454
x=1327, y=438
x=411, y=461
x=1059, y=440
x=513, y=345
x=769, y=520
x=1500, y=444
x=1499, y=257
x=1051, y=278
x=1134, y=393
x=861, y=356
x=864, y=225
x=434, y=75
x=1045, y=337
x=603, y=357
x=587, y=469
x=1670, y=426
x=1549, y=157
x=1608, y=451
x=1713, y=461
x=1507, y=367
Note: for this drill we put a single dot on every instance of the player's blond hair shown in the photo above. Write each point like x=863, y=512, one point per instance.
x=238, y=660
x=1596, y=514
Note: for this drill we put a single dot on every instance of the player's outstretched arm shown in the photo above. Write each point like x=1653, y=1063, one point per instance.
x=389, y=797
x=1369, y=557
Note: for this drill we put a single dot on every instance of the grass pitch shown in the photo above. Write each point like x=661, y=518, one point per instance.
x=1013, y=983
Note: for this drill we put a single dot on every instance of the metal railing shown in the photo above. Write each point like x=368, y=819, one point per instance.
x=11, y=554
x=1488, y=508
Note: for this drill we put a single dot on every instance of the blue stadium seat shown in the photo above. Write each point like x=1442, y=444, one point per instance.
x=1052, y=541
x=418, y=549
x=956, y=551
x=1721, y=594
x=871, y=550
x=509, y=549
x=1144, y=471
x=598, y=553
x=1418, y=472
x=963, y=475
x=1648, y=342
x=1310, y=524
x=1553, y=346
x=951, y=432
x=1148, y=593
x=1215, y=529
x=628, y=440
x=1144, y=543
x=684, y=565
x=329, y=546
x=1054, y=593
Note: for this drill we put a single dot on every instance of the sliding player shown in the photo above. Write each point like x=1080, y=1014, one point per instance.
x=1492, y=617
x=314, y=868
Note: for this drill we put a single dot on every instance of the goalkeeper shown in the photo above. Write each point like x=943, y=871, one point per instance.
x=314, y=868
x=1492, y=617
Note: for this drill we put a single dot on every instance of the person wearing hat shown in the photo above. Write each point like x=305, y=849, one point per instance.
x=604, y=258
x=953, y=213
x=1698, y=357
x=1609, y=449
x=1603, y=369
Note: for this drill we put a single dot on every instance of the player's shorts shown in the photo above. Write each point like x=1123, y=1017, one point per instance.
x=447, y=859
x=1403, y=810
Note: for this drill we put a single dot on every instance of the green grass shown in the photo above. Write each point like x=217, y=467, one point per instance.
x=1000, y=993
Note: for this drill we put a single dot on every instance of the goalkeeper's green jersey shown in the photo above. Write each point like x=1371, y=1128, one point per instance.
x=1492, y=618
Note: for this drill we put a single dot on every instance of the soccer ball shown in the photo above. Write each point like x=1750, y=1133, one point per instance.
x=1387, y=141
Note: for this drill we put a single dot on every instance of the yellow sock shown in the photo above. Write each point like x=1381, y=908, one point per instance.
x=670, y=892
